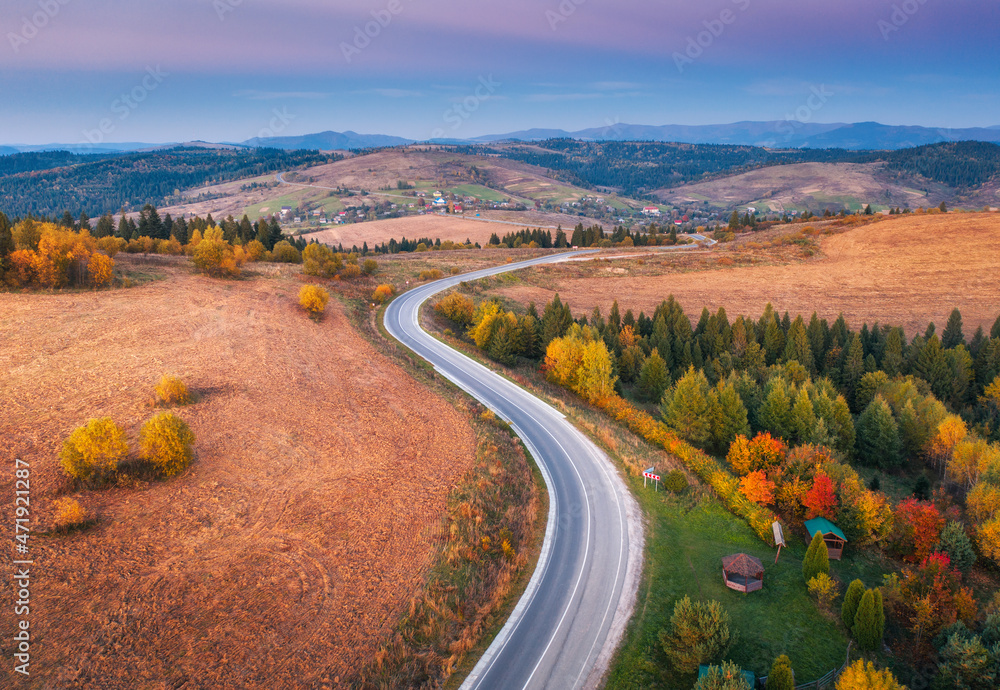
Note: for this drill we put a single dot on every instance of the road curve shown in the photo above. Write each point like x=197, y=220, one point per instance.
x=565, y=627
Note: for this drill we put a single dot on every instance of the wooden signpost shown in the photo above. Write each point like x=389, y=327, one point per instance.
x=779, y=538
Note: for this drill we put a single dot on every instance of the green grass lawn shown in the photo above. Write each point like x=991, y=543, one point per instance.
x=686, y=539
x=480, y=192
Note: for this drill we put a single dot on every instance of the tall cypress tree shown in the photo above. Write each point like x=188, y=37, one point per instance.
x=869, y=622
x=852, y=599
x=817, y=558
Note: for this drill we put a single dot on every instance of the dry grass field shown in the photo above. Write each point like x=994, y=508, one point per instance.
x=906, y=271
x=289, y=549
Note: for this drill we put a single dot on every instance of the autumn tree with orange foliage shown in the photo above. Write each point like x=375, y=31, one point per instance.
x=917, y=529
x=757, y=487
x=821, y=499
x=763, y=452
x=59, y=258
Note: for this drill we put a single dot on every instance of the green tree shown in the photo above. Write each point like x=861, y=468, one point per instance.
x=775, y=414
x=878, y=442
x=869, y=621
x=6, y=242
x=954, y=543
x=964, y=663
x=803, y=419
x=869, y=385
x=852, y=598
x=953, y=336
x=699, y=633
x=734, y=220
x=797, y=346
x=780, y=676
x=774, y=341
x=893, y=359
x=654, y=377
x=932, y=366
x=728, y=415
x=854, y=368
x=817, y=559
x=105, y=226
x=726, y=676
x=688, y=412
x=556, y=320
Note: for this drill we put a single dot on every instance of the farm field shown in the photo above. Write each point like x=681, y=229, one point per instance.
x=906, y=271
x=289, y=550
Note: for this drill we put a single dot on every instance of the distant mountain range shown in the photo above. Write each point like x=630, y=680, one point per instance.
x=859, y=136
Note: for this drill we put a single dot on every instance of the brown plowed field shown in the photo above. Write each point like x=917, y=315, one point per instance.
x=903, y=271
x=286, y=553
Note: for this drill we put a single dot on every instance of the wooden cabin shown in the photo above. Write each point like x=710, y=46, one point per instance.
x=834, y=538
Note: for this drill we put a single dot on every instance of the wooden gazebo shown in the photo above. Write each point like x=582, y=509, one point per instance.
x=834, y=538
x=742, y=572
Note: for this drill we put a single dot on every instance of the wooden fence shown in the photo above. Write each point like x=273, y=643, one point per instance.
x=825, y=681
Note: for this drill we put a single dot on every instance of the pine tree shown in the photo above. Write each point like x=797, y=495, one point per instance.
x=954, y=543
x=854, y=367
x=105, y=226
x=654, y=377
x=953, y=335
x=803, y=418
x=932, y=366
x=734, y=220
x=6, y=239
x=556, y=320
x=775, y=414
x=728, y=414
x=878, y=441
x=84, y=222
x=797, y=346
x=780, y=676
x=774, y=341
x=869, y=621
x=688, y=411
x=817, y=559
x=852, y=598
x=893, y=360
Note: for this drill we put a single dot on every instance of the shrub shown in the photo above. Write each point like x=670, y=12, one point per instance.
x=69, y=514
x=172, y=391
x=817, y=558
x=432, y=274
x=727, y=676
x=101, y=268
x=862, y=675
x=699, y=633
x=216, y=258
x=824, y=589
x=456, y=307
x=165, y=441
x=94, y=450
x=319, y=260
x=956, y=545
x=285, y=253
x=255, y=250
x=111, y=245
x=313, y=299
x=781, y=676
x=675, y=482
x=350, y=272
x=849, y=609
x=369, y=267
x=382, y=293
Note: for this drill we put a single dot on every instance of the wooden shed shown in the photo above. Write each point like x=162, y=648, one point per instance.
x=834, y=538
x=742, y=572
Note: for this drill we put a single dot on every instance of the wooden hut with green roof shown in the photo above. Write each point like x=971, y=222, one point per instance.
x=832, y=535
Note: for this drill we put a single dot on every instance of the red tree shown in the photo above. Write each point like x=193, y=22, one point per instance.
x=820, y=500
x=757, y=488
x=918, y=527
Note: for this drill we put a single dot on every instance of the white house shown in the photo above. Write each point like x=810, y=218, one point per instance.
x=651, y=211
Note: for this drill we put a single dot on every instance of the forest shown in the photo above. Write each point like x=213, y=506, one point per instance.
x=96, y=184
x=895, y=439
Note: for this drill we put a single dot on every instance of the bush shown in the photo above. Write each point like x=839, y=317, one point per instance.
x=675, y=482
x=172, y=391
x=727, y=676
x=863, y=675
x=319, y=260
x=216, y=258
x=255, y=250
x=350, y=272
x=94, y=450
x=699, y=633
x=369, y=267
x=382, y=293
x=165, y=441
x=69, y=514
x=824, y=589
x=458, y=308
x=432, y=274
x=313, y=299
x=285, y=253
x=817, y=558
x=781, y=676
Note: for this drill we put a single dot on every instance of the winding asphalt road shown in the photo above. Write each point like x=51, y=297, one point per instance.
x=573, y=612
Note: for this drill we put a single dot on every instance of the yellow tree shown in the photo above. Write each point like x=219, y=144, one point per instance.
x=94, y=449
x=594, y=379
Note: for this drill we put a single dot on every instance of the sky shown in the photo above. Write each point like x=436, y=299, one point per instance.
x=79, y=71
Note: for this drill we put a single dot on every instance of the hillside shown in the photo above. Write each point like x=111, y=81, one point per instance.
x=287, y=553
x=907, y=271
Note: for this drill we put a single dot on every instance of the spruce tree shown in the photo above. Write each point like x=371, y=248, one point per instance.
x=654, y=378
x=797, y=346
x=893, y=360
x=728, y=414
x=953, y=335
x=852, y=598
x=955, y=544
x=775, y=414
x=688, y=411
x=803, y=418
x=878, y=441
x=817, y=558
x=854, y=368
